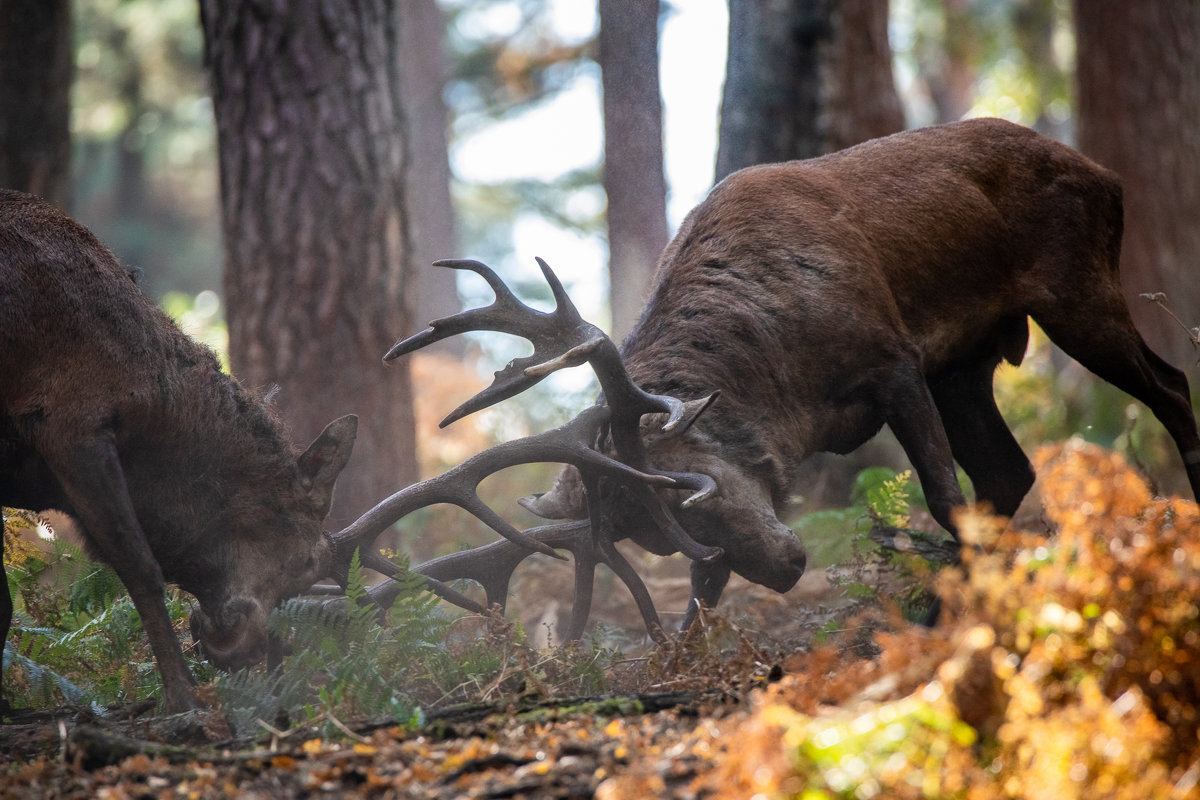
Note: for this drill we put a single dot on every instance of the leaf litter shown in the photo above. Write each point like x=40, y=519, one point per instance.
x=1063, y=667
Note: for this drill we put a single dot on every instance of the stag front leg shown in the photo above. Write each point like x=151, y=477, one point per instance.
x=93, y=480
x=913, y=417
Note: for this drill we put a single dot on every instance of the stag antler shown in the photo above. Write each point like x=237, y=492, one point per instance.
x=561, y=339
x=492, y=566
x=568, y=444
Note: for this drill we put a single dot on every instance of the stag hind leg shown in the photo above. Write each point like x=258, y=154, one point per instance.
x=1101, y=336
x=979, y=437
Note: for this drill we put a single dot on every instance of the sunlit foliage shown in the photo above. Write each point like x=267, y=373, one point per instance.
x=1063, y=668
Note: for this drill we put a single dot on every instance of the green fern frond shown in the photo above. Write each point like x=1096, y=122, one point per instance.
x=889, y=502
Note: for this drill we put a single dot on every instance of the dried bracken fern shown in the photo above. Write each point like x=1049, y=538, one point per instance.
x=1066, y=667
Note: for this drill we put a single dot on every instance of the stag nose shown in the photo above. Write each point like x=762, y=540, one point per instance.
x=233, y=639
x=799, y=561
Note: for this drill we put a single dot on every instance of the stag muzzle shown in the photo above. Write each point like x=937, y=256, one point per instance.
x=234, y=638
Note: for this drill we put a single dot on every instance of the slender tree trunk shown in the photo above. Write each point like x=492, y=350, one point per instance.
x=805, y=78
x=309, y=108
x=633, y=155
x=35, y=85
x=1139, y=114
x=432, y=223
x=952, y=79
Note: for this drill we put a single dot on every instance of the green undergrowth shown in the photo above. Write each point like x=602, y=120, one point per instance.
x=77, y=640
x=832, y=536
x=870, y=548
x=348, y=659
x=75, y=637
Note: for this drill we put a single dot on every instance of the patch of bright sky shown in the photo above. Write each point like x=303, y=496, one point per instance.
x=567, y=132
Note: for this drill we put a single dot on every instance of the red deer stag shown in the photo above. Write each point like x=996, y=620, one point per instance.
x=109, y=413
x=822, y=299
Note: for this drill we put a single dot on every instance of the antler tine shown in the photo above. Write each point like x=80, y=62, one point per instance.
x=561, y=338
x=475, y=319
x=561, y=299
x=383, y=594
x=606, y=551
x=492, y=567
x=570, y=444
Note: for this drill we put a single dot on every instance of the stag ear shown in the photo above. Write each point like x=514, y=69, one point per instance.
x=324, y=460
x=565, y=500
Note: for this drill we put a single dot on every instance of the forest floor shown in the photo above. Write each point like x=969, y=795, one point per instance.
x=1062, y=667
x=663, y=727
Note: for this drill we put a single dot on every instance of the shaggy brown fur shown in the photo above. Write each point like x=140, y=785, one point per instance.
x=109, y=413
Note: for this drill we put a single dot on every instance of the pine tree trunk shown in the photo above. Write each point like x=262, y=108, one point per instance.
x=633, y=155
x=805, y=78
x=309, y=108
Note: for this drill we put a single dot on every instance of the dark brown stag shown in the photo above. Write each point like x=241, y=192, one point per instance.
x=111, y=414
x=824, y=299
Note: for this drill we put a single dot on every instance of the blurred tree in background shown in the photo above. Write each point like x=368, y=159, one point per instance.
x=634, y=180
x=805, y=79
x=509, y=64
x=143, y=168
x=432, y=227
x=35, y=82
x=969, y=57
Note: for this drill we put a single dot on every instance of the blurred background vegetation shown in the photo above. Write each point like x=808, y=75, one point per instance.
x=144, y=159
x=144, y=177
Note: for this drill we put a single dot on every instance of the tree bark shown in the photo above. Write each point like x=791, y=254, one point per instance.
x=804, y=79
x=35, y=85
x=1138, y=72
x=309, y=106
x=633, y=154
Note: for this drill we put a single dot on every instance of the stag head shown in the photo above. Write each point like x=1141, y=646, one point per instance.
x=739, y=517
x=268, y=560
x=632, y=473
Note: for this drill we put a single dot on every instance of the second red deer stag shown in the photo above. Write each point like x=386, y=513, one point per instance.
x=111, y=414
x=823, y=299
